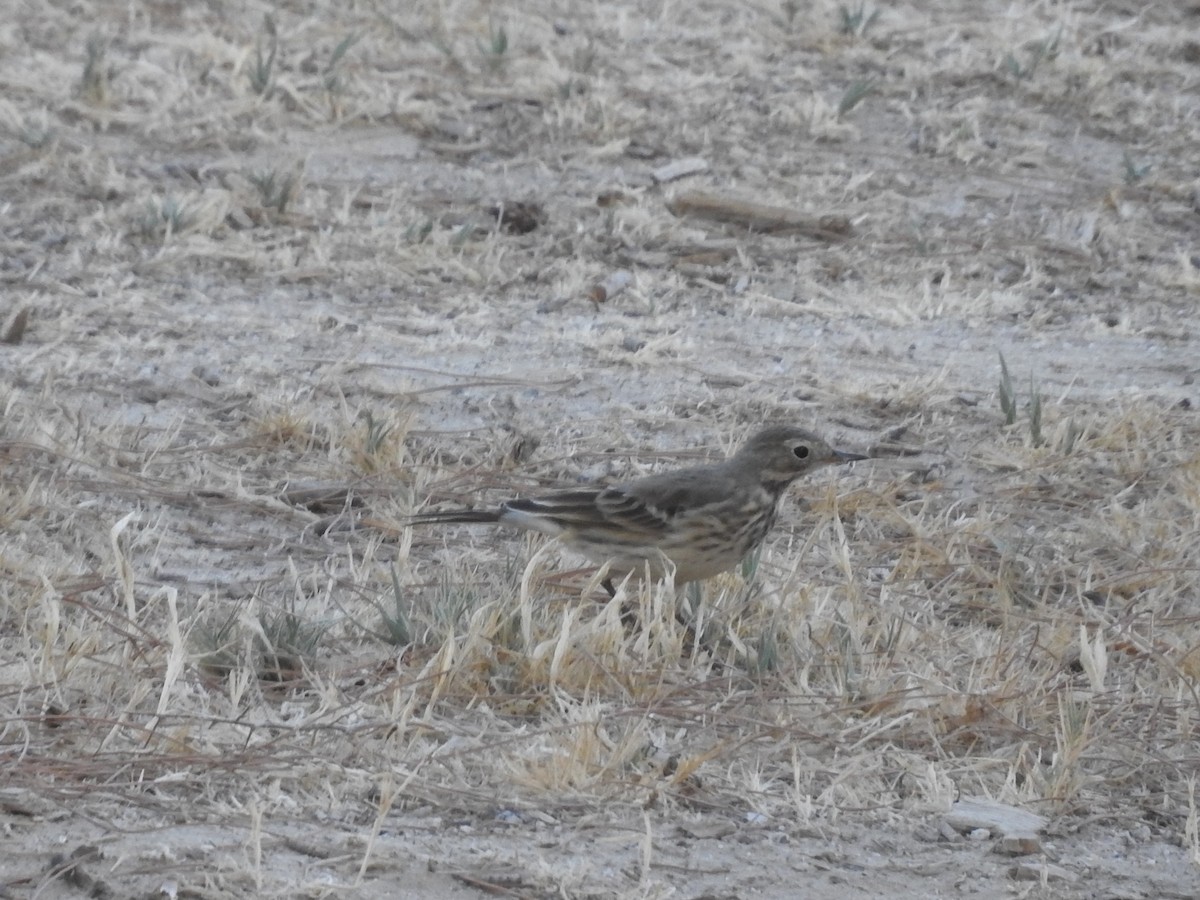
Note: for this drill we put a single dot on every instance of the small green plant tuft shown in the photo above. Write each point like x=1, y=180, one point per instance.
x=1008, y=404
x=397, y=626
x=1040, y=52
x=571, y=87
x=163, y=218
x=442, y=44
x=1133, y=172
x=418, y=232
x=276, y=190
x=452, y=603
x=35, y=135
x=287, y=645
x=750, y=563
x=217, y=643
x=789, y=8
x=856, y=22
x=377, y=434
x=497, y=46
x=766, y=656
x=1008, y=396
x=332, y=79
x=1071, y=436
x=1035, y=413
x=848, y=663
x=855, y=94
x=97, y=73
x=277, y=647
x=462, y=234
x=262, y=70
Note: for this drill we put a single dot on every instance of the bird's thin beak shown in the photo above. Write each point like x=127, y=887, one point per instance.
x=843, y=457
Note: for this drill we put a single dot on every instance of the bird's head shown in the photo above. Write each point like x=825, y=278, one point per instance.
x=782, y=453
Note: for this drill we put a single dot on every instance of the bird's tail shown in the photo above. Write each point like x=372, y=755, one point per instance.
x=455, y=517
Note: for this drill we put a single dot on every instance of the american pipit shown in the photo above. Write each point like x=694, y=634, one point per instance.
x=694, y=522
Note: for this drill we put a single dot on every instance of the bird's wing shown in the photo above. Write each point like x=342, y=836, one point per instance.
x=553, y=513
x=623, y=510
x=646, y=507
x=692, y=489
x=614, y=510
x=654, y=503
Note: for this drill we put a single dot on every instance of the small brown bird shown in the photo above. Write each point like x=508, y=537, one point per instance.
x=695, y=522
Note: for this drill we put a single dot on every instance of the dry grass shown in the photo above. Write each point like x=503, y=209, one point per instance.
x=270, y=315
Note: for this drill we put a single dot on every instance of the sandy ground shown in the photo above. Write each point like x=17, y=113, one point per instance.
x=254, y=252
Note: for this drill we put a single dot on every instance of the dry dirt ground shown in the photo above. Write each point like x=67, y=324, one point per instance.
x=275, y=276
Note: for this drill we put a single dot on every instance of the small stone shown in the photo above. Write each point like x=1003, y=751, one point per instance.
x=208, y=374
x=969, y=814
x=708, y=830
x=1031, y=871
x=14, y=328
x=1019, y=845
x=947, y=833
x=632, y=344
x=929, y=835
x=1140, y=833
x=148, y=392
x=979, y=834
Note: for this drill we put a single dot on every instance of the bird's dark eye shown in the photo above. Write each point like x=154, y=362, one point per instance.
x=801, y=451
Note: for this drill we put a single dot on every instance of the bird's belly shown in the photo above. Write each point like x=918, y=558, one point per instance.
x=691, y=556
x=721, y=545
x=622, y=557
